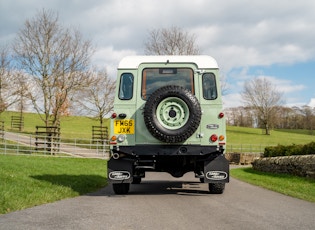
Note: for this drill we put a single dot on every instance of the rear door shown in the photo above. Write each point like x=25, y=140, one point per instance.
x=155, y=76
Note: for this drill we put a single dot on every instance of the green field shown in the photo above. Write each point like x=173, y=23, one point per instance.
x=243, y=135
x=70, y=126
x=81, y=127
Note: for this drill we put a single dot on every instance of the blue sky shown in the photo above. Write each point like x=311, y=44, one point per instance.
x=248, y=38
x=296, y=81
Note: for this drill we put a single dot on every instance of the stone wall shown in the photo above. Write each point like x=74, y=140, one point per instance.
x=295, y=165
x=242, y=158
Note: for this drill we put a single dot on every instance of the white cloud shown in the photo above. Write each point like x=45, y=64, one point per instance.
x=109, y=58
x=232, y=100
x=312, y=102
x=284, y=85
x=239, y=34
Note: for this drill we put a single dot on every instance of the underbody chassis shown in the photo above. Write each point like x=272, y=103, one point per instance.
x=129, y=164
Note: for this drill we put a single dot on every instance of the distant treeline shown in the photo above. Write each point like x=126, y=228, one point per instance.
x=284, y=118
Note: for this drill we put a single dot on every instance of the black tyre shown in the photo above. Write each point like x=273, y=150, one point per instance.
x=172, y=114
x=121, y=189
x=216, y=188
x=136, y=180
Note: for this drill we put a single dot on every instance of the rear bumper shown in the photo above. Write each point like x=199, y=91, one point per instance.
x=214, y=170
x=167, y=150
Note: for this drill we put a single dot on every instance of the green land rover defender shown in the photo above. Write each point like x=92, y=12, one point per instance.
x=168, y=118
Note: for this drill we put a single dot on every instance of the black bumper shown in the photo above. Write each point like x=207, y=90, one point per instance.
x=167, y=150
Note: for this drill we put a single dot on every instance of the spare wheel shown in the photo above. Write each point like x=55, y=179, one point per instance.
x=172, y=114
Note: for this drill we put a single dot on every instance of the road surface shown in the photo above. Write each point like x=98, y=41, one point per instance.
x=163, y=202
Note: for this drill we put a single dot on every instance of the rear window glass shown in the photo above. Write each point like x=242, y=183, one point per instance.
x=209, y=86
x=126, y=86
x=155, y=78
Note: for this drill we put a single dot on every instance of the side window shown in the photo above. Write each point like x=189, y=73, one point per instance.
x=126, y=86
x=209, y=86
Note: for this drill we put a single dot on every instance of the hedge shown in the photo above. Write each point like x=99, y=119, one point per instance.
x=289, y=150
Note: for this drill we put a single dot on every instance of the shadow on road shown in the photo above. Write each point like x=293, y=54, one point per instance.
x=191, y=188
x=147, y=188
x=86, y=184
x=82, y=184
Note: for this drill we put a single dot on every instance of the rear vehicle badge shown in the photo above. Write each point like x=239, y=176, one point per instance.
x=216, y=175
x=212, y=126
x=119, y=175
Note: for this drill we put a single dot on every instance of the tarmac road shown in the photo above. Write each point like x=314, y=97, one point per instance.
x=164, y=202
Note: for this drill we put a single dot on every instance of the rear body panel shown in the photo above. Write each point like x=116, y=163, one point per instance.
x=141, y=149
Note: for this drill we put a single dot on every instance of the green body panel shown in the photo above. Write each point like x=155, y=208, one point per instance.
x=133, y=108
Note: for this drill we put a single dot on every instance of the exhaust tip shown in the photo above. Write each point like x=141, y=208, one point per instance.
x=115, y=156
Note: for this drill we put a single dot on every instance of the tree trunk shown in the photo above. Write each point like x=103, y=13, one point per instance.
x=267, y=131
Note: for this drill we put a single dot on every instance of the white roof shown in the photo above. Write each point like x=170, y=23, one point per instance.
x=202, y=61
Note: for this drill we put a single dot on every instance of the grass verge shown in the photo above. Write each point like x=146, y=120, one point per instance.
x=27, y=181
x=298, y=187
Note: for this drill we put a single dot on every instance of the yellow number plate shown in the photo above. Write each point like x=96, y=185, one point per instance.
x=124, y=126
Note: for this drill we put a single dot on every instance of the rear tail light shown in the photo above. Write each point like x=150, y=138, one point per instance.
x=221, y=115
x=113, y=140
x=114, y=115
x=214, y=138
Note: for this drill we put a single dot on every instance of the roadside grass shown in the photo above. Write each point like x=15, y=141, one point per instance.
x=298, y=187
x=27, y=181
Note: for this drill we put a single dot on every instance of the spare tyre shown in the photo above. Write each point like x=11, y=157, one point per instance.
x=172, y=114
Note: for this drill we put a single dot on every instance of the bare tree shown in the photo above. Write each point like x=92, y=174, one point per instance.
x=224, y=85
x=22, y=90
x=171, y=41
x=56, y=59
x=98, y=99
x=263, y=96
x=308, y=121
x=8, y=89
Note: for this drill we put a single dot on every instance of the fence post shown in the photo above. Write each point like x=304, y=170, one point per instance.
x=75, y=145
x=5, y=147
x=17, y=145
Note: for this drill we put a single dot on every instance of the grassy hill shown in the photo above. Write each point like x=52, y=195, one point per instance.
x=243, y=135
x=71, y=126
x=81, y=127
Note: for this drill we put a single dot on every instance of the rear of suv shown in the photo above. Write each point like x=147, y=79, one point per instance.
x=168, y=118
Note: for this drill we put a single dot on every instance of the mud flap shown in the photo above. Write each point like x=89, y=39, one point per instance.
x=217, y=170
x=120, y=171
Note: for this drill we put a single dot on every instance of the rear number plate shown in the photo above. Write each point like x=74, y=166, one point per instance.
x=124, y=127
